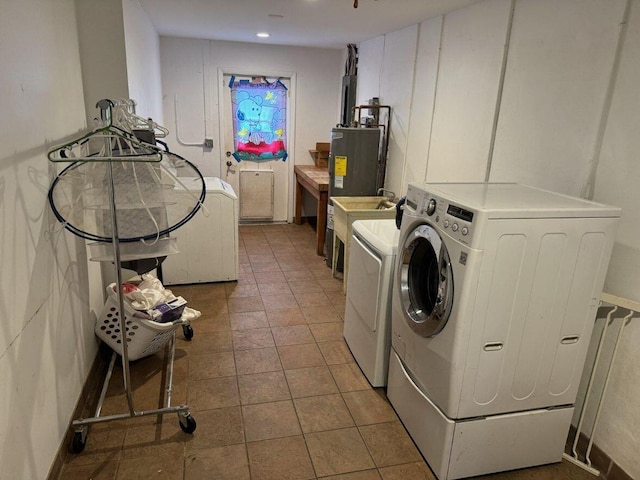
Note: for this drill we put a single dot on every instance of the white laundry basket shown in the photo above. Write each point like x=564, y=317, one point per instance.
x=144, y=337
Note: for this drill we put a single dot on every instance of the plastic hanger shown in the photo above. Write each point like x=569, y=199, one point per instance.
x=107, y=143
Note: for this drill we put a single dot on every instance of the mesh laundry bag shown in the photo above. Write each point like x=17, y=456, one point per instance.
x=149, y=198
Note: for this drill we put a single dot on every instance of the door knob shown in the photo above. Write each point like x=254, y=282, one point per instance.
x=229, y=163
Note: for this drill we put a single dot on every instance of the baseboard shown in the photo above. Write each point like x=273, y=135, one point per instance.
x=609, y=469
x=88, y=397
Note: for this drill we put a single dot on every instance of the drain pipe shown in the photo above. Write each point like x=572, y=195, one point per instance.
x=503, y=71
x=589, y=186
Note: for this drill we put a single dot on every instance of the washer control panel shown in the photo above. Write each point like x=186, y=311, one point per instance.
x=455, y=220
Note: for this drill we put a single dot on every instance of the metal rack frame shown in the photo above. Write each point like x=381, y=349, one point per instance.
x=633, y=309
x=144, y=153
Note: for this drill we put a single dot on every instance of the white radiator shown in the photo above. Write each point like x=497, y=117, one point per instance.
x=256, y=194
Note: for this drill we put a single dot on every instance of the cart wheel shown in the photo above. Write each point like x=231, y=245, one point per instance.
x=187, y=423
x=187, y=331
x=79, y=442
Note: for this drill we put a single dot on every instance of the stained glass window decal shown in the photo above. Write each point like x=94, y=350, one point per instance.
x=259, y=119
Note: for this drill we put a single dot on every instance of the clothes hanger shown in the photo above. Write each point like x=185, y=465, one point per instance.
x=125, y=113
x=109, y=142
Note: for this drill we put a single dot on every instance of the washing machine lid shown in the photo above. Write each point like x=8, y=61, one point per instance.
x=381, y=234
x=425, y=280
x=514, y=200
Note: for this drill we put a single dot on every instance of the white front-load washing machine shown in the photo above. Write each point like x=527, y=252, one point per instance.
x=367, y=317
x=496, y=290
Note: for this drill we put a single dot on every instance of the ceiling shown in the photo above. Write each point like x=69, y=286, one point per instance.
x=309, y=23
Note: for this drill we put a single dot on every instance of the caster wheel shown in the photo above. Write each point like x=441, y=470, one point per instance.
x=187, y=331
x=187, y=423
x=78, y=442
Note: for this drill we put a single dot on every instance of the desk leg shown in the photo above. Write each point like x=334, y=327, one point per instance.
x=321, y=226
x=298, y=214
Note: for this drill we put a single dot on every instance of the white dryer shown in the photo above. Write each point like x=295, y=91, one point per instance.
x=367, y=318
x=208, y=243
x=495, y=295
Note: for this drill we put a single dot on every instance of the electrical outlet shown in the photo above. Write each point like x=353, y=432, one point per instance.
x=208, y=143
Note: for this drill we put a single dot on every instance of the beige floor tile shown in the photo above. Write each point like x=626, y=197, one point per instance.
x=312, y=299
x=363, y=475
x=321, y=314
x=325, y=412
x=272, y=266
x=210, y=306
x=331, y=285
x=211, y=323
x=236, y=290
x=248, y=320
x=162, y=437
x=279, y=302
x=263, y=278
x=270, y=289
x=300, y=356
x=389, y=444
x=327, y=332
x=152, y=468
x=279, y=459
x=257, y=360
x=338, y=451
x=409, y=471
x=310, y=381
x=215, y=428
x=262, y=258
x=96, y=471
x=255, y=338
x=210, y=343
x=349, y=377
x=336, y=352
x=304, y=286
x=296, y=275
x=264, y=421
x=228, y=463
x=286, y=317
x=244, y=304
x=104, y=445
x=213, y=393
x=292, y=335
x=263, y=388
x=211, y=365
x=368, y=407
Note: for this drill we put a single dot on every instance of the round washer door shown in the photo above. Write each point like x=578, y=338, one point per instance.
x=425, y=280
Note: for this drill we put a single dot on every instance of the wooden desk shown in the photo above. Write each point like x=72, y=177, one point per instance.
x=315, y=180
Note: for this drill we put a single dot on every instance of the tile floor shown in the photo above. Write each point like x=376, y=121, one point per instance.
x=271, y=384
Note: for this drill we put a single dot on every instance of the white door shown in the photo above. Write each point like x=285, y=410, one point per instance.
x=262, y=181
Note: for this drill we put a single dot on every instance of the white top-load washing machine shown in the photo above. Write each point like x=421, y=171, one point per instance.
x=367, y=318
x=495, y=296
x=208, y=243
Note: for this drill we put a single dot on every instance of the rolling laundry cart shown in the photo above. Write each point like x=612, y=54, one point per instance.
x=124, y=192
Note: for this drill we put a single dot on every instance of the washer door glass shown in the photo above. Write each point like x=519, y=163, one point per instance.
x=425, y=281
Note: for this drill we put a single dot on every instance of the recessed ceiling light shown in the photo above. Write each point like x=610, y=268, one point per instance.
x=262, y=35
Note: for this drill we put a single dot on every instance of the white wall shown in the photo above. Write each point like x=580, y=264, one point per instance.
x=46, y=333
x=556, y=77
x=468, y=80
x=102, y=52
x=617, y=175
x=559, y=63
x=425, y=84
x=142, y=45
x=190, y=80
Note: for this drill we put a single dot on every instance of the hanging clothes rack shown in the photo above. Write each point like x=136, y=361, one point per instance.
x=116, y=139
x=629, y=309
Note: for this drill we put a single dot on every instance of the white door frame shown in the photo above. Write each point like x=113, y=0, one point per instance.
x=291, y=131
